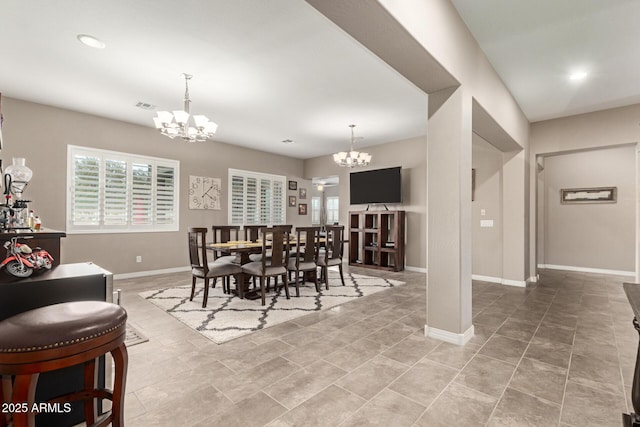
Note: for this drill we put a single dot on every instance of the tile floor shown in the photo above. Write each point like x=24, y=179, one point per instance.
x=559, y=353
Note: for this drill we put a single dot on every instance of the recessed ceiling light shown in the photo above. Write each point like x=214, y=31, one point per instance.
x=288, y=141
x=578, y=75
x=91, y=41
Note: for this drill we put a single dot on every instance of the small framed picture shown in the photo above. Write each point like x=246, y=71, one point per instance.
x=293, y=185
x=292, y=201
x=302, y=209
x=303, y=193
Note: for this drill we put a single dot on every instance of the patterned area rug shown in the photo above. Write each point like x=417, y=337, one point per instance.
x=227, y=317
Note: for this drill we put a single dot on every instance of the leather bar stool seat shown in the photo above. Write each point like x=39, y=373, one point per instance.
x=55, y=337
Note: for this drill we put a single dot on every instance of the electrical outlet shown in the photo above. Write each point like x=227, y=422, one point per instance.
x=138, y=258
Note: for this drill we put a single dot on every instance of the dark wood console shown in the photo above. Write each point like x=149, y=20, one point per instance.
x=49, y=240
x=64, y=283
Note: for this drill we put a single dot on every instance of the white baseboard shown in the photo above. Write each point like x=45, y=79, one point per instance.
x=416, y=269
x=588, y=270
x=450, y=337
x=532, y=279
x=499, y=280
x=150, y=273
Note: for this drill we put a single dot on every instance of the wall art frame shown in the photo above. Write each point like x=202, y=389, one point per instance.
x=570, y=196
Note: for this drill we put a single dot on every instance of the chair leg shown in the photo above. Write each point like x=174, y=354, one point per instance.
x=215, y=279
x=341, y=275
x=315, y=279
x=262, y=290
x=325, y=272
x=206, y=293
x=120, y=359
x=286, y=284
x=193, y=287
x=297, y=278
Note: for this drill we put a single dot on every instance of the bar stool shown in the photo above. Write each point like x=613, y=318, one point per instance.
x=55, y=337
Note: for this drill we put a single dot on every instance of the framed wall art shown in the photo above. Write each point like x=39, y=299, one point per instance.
x=292, y=201
x=293, y=185
x=588, y=195
x=302, y=209
x=303, y=193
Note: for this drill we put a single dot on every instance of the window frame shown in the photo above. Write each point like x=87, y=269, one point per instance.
x=336, y=210
x=130, y=159
x=259, y=177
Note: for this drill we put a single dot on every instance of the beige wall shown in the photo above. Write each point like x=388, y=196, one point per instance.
x=602, y=235
x=487, y=241
x=607, y=128
x=411, y=155
x=41, y=134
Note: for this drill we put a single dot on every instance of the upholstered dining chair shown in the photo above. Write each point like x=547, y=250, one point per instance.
x=252, y=232
x=304, y=258
x=258, y=257
x=224, y=234
x=277, y=266
x=202, y=269
x=332, y=254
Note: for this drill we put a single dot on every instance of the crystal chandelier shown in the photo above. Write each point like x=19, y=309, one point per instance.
x=352, y=158
x=181, y=124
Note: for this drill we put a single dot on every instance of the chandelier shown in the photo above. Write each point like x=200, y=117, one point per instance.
x=352, y=158
x=181, y=124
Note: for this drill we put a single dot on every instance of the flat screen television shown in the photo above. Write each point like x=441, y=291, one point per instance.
x=376, y=186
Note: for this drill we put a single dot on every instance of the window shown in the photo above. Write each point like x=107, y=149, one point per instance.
x=333, y=210
x=256, y=198
x=110, y=191
x=315, y=210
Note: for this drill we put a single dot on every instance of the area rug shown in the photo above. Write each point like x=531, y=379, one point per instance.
x=134, y=336
x=228, y=317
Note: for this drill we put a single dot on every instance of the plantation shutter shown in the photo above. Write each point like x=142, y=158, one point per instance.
x=141, y=194
x=86, y=190
x=256, y=198
x=111, y=191
x=165, y=212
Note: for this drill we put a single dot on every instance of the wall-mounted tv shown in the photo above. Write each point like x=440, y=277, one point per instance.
x=376, y=186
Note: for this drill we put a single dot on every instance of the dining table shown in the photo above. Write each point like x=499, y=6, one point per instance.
x=242, y=249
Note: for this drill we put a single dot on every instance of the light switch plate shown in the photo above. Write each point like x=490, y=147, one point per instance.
x=486, y=223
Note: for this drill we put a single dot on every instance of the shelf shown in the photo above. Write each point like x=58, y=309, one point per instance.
x=369, y=231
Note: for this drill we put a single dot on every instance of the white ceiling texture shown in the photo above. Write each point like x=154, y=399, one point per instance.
x=267, y=71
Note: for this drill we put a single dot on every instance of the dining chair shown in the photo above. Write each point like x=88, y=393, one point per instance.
x=202, y=269
x=332, y=254
x=252, y=232
x=304, y=258
x=258, y=257
x=224, y=234
x=277, y=266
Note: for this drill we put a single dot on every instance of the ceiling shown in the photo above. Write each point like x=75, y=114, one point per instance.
x=267, y=71
x=535, y=46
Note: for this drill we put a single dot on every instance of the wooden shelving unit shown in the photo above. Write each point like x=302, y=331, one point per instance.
x=376, y=239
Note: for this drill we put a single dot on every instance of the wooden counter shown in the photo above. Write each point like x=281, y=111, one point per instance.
x=47, y=239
